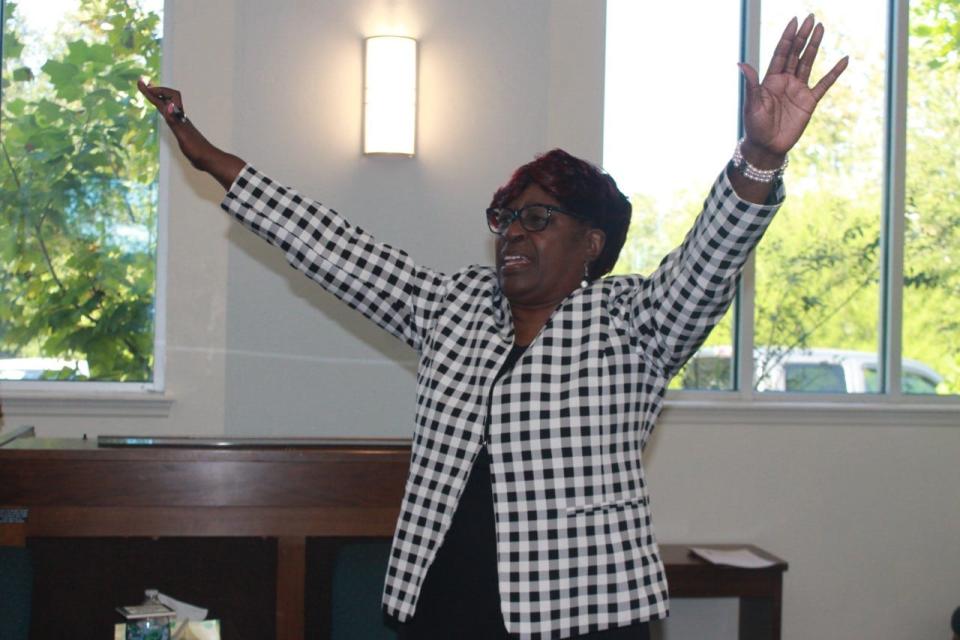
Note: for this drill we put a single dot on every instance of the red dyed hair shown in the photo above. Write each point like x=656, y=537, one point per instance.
x=582, y=188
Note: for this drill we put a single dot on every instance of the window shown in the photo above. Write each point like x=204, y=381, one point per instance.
x=665, y=177
x=78, y=191
x=931, y=207
x=854, y=289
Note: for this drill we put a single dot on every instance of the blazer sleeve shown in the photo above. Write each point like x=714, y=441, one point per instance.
x=379, y=281
x=674, y=310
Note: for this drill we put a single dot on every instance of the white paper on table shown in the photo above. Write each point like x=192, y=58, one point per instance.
x=743, y=558
x=197, y=630
x=183, y=610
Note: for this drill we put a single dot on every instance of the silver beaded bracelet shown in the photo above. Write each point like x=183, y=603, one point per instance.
x=751, y=172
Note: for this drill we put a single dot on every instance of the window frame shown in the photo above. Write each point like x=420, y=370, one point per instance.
x=742, y=405
x=100, y=398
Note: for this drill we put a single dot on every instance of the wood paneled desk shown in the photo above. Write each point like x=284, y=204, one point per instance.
x=306, y=489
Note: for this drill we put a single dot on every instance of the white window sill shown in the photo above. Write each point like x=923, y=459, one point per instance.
x=133, y=404
x=797, y=409
x=683, y=408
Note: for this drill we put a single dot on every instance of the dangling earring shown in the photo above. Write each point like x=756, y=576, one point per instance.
x=586, y=275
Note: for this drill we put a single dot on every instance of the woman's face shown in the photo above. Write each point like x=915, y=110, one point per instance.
x=541, y=268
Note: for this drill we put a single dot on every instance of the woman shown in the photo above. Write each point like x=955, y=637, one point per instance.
x=526, y=513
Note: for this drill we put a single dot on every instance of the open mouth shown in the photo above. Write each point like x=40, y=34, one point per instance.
x=514, y=263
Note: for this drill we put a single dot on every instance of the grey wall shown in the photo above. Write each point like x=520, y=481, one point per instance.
x=867, y=516
x=494, y=89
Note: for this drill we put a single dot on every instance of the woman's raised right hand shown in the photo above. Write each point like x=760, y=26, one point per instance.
x=195, y=148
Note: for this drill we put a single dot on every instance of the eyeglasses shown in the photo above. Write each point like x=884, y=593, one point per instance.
x=533, y=217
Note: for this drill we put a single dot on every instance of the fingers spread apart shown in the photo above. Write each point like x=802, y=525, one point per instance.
x=797, y=50
x=821, y=88
x=805, y=64
x=798, y=44
x=778, y=63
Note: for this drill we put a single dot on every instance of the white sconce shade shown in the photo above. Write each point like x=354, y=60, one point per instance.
x=390, y=95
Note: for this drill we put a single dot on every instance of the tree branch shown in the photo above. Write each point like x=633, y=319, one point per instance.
x=13, y=170
x=46, y=254
x=135, y=352
x=805, y=333
x=123, y=198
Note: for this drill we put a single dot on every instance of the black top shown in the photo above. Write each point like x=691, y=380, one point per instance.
x=460, y=596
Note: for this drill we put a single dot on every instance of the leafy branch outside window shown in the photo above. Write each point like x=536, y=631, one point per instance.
x=78, y=193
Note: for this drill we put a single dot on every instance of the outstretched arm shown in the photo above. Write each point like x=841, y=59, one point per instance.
x=679, y=304
x=223, y=166
x=777, y=110
x=377, y=280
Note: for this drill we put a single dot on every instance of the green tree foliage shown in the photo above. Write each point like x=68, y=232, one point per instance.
x=932, y=226
x=78, y=177
x=656, y=228
x=818, y=268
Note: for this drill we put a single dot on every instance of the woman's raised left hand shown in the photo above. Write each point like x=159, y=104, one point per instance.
x=777, y=110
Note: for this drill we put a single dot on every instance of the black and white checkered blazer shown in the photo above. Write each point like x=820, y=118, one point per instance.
x=575, y=547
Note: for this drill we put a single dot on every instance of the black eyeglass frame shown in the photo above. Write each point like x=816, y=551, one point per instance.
x=517, y=214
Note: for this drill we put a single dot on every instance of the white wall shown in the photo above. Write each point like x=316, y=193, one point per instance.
x=869, y=518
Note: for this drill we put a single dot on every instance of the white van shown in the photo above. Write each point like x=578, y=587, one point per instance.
x=806, y=370
x=38, y=368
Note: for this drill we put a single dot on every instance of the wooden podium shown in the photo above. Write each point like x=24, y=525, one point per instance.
x=292, y=491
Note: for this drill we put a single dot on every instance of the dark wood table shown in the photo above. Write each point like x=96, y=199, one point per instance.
x=288, y=490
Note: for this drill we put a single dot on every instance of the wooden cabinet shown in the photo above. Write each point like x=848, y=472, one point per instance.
x=280, y=496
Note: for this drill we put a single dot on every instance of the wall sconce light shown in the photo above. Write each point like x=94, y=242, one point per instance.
x=390, y=95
